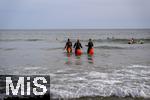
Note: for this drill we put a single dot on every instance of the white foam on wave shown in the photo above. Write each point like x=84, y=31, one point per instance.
x=99, y=89
x=134, y=70
x=138, y=66
x=79, y=79
x=122, y=82
x=31, y=68
x=95, y=74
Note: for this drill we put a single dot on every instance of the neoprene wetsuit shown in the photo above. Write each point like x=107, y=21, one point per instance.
x=77, y=45
x=90, y=45
x=68, y=45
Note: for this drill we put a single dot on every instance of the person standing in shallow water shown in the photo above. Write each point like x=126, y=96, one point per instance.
x=90, y=46
x=77, y=46
x=68, y=46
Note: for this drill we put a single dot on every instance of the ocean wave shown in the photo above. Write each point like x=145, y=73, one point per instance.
x=11, y=40
x=121, y=83
x=34, y=40
x=95, y=89
x=112, y=40
x=7, y=49
x=109, y=47
x=137, y=66
x=122, y=41
x=49, y=49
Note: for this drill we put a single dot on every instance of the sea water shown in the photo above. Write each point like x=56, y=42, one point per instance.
x=116, y=68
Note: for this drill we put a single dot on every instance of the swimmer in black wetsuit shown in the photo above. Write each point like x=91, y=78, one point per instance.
x=131, y=41
x=90, y=45
x=68, y=46
x=77, y=46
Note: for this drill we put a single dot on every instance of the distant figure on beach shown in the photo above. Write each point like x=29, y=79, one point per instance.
x=68, y=46
x=78, y=47
x=131, y=41
x=90, y=49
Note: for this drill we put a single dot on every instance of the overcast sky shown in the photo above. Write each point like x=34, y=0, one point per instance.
x=50, y=14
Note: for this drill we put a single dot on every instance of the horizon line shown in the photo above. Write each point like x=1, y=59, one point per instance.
x=75, y=29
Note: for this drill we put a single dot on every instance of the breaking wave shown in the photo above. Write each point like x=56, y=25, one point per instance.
x=119, y=83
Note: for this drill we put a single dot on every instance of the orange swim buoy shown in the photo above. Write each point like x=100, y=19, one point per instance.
x=69, y=50
x=91, y=52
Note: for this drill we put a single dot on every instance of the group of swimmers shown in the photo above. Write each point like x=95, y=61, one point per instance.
x=78, y=47
x=90, y=45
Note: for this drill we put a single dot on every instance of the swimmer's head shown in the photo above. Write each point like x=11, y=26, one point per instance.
x=90, y=39
x=68, y=39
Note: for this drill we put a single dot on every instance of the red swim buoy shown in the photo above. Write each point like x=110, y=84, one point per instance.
x=78, y=52
x=91, y=52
